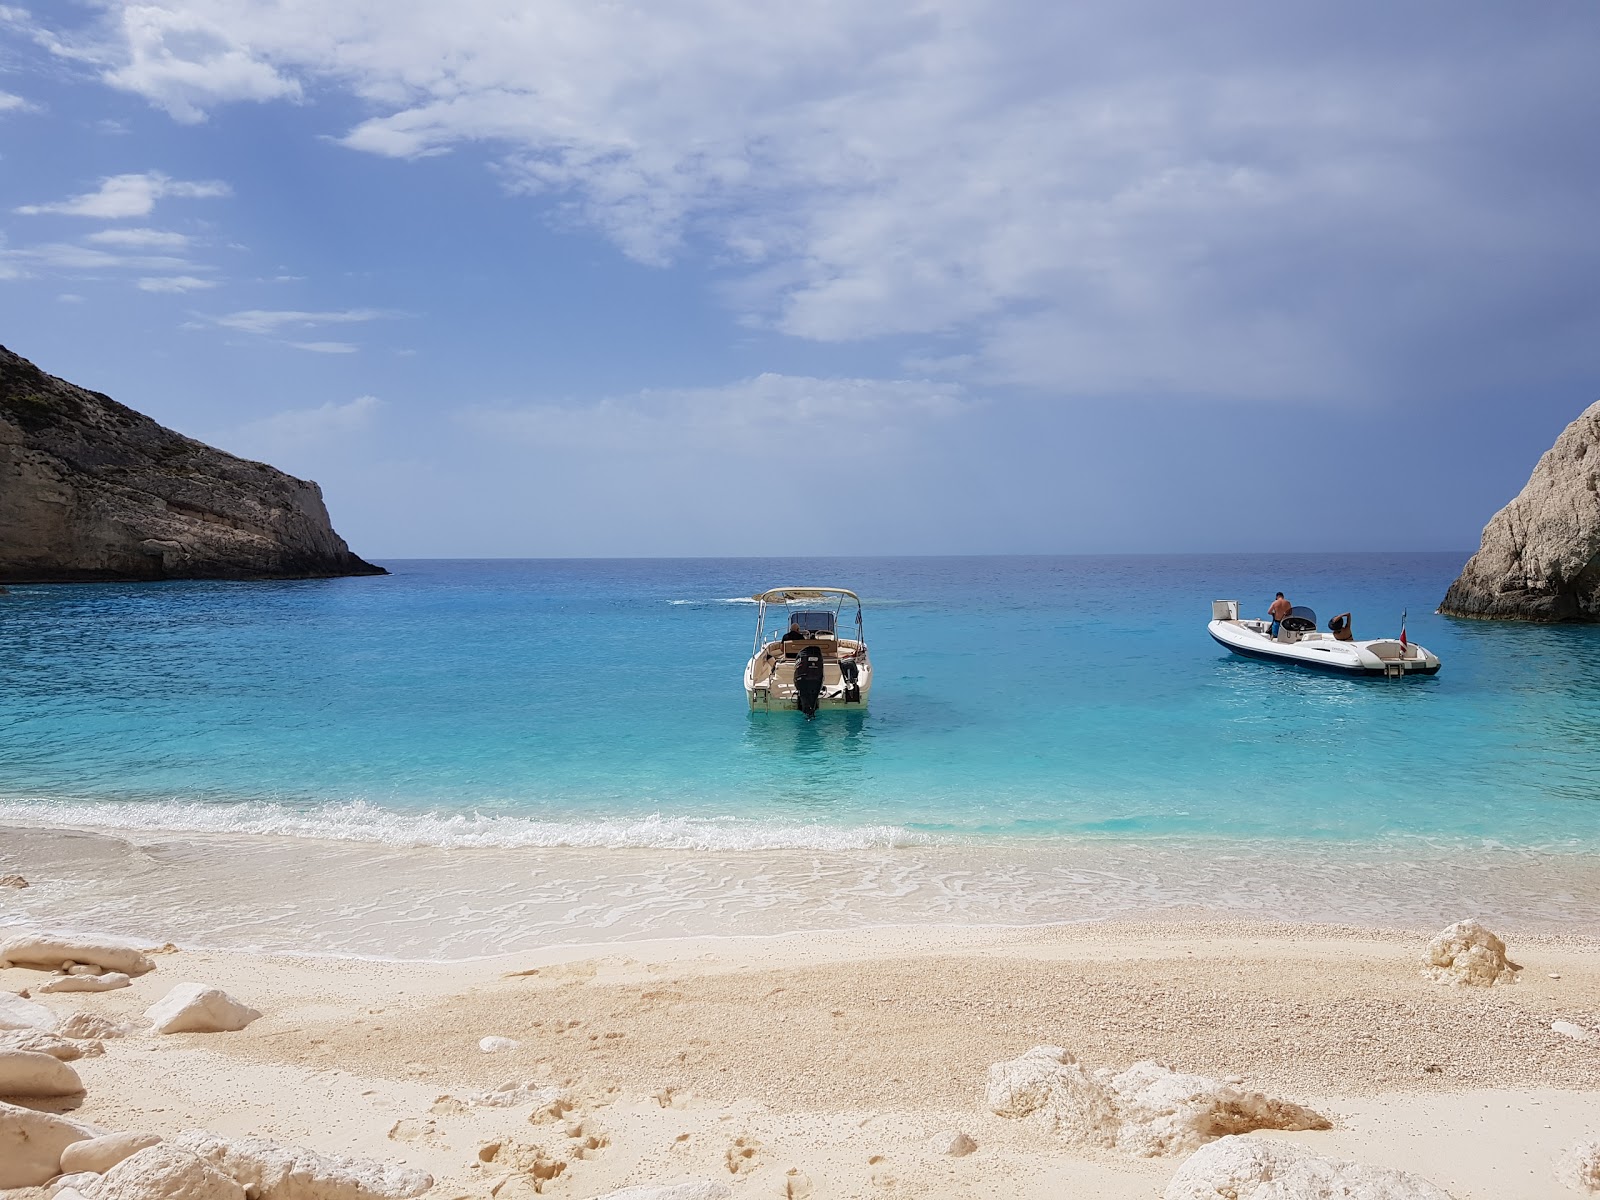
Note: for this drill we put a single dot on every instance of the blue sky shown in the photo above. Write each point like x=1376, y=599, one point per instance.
x=700, y=277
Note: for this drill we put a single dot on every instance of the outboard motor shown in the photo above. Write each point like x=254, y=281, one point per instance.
x=808, y=680
x=850, y=673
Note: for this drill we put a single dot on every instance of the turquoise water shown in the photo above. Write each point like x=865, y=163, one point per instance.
x=598, y=703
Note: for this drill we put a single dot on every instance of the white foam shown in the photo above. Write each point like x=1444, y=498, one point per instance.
x=359, y=821
x=718, y=600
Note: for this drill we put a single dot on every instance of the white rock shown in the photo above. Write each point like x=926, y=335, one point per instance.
x=29, y=1073
x=85, y=1026
x=1247, y=1169
x=87, y=983
x=48, y=950
x=1051, y=1086
x=1468, y=955
x=497, y=1045
x=1576, y=1032
x=65, y=1049
x=17, y=1013
x=688, y=1189
x=102, y=1153
x=957, y=1144
x=1167, y=1112
x=512, y=1093
x=1148, y=1109
x=31, y=1144
x=272, y=1172
x=83, y=969
x=196, y=1008
x=77, y=1183
x=1579, y=1166
x=164, y=1172
x=68, y=1193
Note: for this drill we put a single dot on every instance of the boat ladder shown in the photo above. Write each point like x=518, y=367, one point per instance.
x=1394, y=669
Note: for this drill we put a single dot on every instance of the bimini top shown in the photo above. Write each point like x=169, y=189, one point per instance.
x=788, y=595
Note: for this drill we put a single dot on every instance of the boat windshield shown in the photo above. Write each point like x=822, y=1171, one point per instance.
x=813, y=621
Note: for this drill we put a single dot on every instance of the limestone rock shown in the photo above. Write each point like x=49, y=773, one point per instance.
x=1469, y=955
x=1540, y=555
x=1246, y=1169
x=546, y=1098
x=87, y=983
x=957, y=1144
x=31, y=1144
x=497, y=1045
x=74, y=1183
x=1579, y=1166
x=49, y=950
x=1168, y=1112
x=13, y=881
x=1147, y=1110
x=196, y=1008
x=17, y=1013
x=102, y=1153
x=165, y=1172
x=91, y=1025
x=1576, y=1032
x=66, y=1049
x=688, y=1189
x=90, y=490
x=28, y=1073
x=268, y=1171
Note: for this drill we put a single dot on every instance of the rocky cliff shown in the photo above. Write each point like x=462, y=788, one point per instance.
x=90, y=489
x=1540, y=557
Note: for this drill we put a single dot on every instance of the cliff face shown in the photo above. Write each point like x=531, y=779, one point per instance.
x=1540, y=557
x=91, y=490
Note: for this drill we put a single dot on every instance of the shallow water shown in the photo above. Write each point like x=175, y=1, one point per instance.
x=1020, y=707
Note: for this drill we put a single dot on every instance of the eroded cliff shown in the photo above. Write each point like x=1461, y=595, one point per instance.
x=91, y=490
x=1540, y=556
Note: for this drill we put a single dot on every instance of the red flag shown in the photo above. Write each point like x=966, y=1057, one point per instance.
x=1402, y=632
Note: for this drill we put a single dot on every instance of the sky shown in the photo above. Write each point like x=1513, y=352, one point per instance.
x=697, y=277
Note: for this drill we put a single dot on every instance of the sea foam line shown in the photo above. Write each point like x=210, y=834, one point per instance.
x=359, y=821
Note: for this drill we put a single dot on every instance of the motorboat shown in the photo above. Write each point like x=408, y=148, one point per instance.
x=803, y=664
x=1299, y=642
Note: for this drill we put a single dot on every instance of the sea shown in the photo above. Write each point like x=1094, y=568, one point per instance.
x=465, y=757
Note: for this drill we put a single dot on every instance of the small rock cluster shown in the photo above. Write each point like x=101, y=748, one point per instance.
x=1468, y=955
x=1248, y=1169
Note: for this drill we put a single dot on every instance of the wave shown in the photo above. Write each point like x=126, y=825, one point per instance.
x=717, y=600
x=359, y=821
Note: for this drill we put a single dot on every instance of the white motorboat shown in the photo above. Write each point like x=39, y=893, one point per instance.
x=806, y=665
x=1300, y=643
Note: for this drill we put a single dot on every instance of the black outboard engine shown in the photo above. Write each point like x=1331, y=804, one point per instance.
x=808, y=680
x=850, y=673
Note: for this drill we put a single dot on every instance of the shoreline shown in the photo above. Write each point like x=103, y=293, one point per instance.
x=747, y=1060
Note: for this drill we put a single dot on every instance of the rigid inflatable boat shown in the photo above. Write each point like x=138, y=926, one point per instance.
x=1299, y=643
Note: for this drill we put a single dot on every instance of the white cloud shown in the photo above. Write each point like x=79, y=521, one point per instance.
x=175, y=283
x=70, y=298
x=787, y=412
x=264, y=321
x=16, y=104
x=1091, y=197
x=69, y=256
x=152, y=239
x=298, y=429
x=326, y=347
x=133, y=195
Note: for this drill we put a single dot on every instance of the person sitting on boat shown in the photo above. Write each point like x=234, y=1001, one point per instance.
x=1278, y=610
x=1340, y=628
x=795, y=634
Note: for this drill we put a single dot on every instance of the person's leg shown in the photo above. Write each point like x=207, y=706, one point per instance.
x=1273, y=633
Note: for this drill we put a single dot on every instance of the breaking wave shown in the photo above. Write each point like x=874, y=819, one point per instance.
x=359, y=821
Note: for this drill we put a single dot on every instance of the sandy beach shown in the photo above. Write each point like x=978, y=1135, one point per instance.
x=843, y=1066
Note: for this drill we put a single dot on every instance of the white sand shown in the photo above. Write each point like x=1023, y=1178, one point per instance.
x=843, y=1056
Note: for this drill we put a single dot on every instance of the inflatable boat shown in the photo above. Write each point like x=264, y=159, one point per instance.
x=1298, y=642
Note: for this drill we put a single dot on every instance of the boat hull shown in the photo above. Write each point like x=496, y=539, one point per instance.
x=1357, y=659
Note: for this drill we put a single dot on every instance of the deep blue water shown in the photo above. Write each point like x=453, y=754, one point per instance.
x=599, y=702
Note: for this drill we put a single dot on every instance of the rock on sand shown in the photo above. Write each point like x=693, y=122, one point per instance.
x=48, y=950
x=66, y=1049
x=272, y=1172
x=87, y=983
x=102, y=1153
x=1247, y=1169
x=1468, y=955
x=1146, y=1110
x=1579, y=1166
x=17, y=1013
x=31, y=1144
x=34, y=1075
x=164, y=1172
x=196, y=1008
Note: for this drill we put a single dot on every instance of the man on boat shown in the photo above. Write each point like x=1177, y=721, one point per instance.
x=1278, y=610
x=795, y=634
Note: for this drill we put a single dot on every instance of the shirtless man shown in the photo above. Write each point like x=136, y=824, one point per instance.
x=1278, y=610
